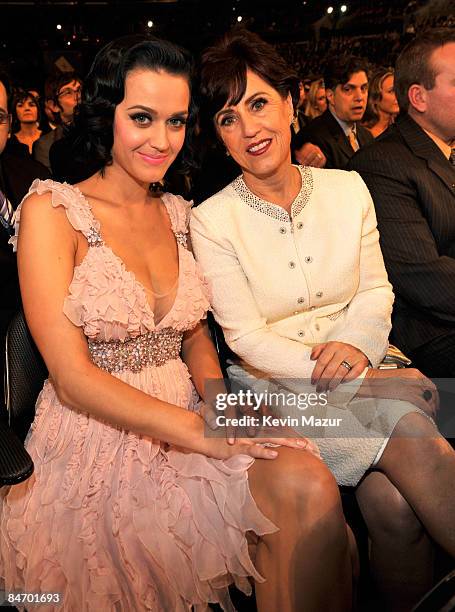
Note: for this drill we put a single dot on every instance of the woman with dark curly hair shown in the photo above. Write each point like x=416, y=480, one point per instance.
x=130, y=506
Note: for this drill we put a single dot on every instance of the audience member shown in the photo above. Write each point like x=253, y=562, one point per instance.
x=410, y=173
x=337, y=131
x=316, y=102
x=16, y=176
x=62, y=93
x=26, y=118
x=382, y=105
x=308, y=154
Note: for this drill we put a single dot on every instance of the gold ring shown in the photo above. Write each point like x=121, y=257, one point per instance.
x=346, y=365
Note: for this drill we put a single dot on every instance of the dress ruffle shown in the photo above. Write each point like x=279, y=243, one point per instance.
x=137, y=527
x=115, y=521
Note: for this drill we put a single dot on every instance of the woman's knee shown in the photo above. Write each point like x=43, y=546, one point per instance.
x=386, y=511
x=304, y=481
x=415, y=425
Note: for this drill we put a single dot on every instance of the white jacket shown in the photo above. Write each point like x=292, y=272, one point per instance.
x=280, y=285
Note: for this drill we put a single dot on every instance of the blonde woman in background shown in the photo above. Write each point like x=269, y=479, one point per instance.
x=316, y=102
x=382, y=105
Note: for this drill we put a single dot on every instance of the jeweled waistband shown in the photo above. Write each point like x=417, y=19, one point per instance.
x=154, y=348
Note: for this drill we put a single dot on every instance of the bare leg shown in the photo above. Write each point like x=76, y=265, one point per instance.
x=401, y=554
x=306, y=564
x=421, y=464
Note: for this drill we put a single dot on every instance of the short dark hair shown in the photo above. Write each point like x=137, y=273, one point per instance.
x=224, y=66
x=104, y=88
x=414, y=65
x=21, y=96
x=340, y=70
x=55, y=82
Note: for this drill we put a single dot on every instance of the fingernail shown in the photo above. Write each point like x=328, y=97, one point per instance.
x=272, y=453
x=302, y=443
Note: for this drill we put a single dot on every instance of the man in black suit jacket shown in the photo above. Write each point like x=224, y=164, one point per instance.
x=337, y=131
x=410, y=173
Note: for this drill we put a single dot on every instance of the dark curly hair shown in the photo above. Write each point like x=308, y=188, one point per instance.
x=224, y=66
x=91, y=133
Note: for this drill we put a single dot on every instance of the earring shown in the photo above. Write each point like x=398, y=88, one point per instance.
x=227, y=153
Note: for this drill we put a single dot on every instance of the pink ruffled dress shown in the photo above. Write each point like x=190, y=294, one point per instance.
x=112, y=520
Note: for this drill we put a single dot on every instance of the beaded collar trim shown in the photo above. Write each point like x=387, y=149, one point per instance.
x=273, y=210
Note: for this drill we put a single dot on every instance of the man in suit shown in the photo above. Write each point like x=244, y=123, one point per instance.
x=16, y=176
x=337, y=131
x=410, y=173
x=62, y=93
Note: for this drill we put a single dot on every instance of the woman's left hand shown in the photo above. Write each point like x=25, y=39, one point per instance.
x=332, y=364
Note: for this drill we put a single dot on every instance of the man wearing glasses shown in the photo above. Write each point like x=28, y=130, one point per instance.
x=16, y=176
x=62, y=94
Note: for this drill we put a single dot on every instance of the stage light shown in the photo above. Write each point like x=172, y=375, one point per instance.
x=239, y=18
x=150, y=24
x=343, y=8
x=69, y=43
x=330, y=10
x=59, y=27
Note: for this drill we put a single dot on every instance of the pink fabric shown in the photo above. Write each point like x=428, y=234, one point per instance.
x=113, y=520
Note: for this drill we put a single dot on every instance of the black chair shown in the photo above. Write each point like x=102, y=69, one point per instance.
x=25, y=373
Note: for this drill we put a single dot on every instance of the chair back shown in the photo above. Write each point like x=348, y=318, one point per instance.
x=25, y=373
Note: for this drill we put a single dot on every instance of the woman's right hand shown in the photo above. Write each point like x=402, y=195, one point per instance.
x=258, y=448
x=406, y=384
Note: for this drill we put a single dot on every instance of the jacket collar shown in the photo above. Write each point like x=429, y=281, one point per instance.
x=338, y=134
x=424, y=147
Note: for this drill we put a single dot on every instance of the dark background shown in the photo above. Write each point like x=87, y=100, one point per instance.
x=30, y=42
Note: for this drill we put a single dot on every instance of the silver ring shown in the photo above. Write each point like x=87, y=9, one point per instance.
x=346, y=365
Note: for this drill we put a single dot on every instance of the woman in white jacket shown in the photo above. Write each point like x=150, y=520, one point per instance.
x=299, y=287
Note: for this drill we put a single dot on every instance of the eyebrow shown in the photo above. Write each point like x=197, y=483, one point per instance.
x=3, y=110
x=153, y=112
x=349, y=84
x=247, y=101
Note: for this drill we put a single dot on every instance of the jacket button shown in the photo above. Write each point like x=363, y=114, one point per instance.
x=300, y=333
x=282, y=230
x=299, y=225
x=300, y=300
x=317, y=327
x=292, y=264
x=308, y=259
x=319, y=294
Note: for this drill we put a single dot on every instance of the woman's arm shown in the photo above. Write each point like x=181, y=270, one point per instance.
x=200, y=356
x=368, y=320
